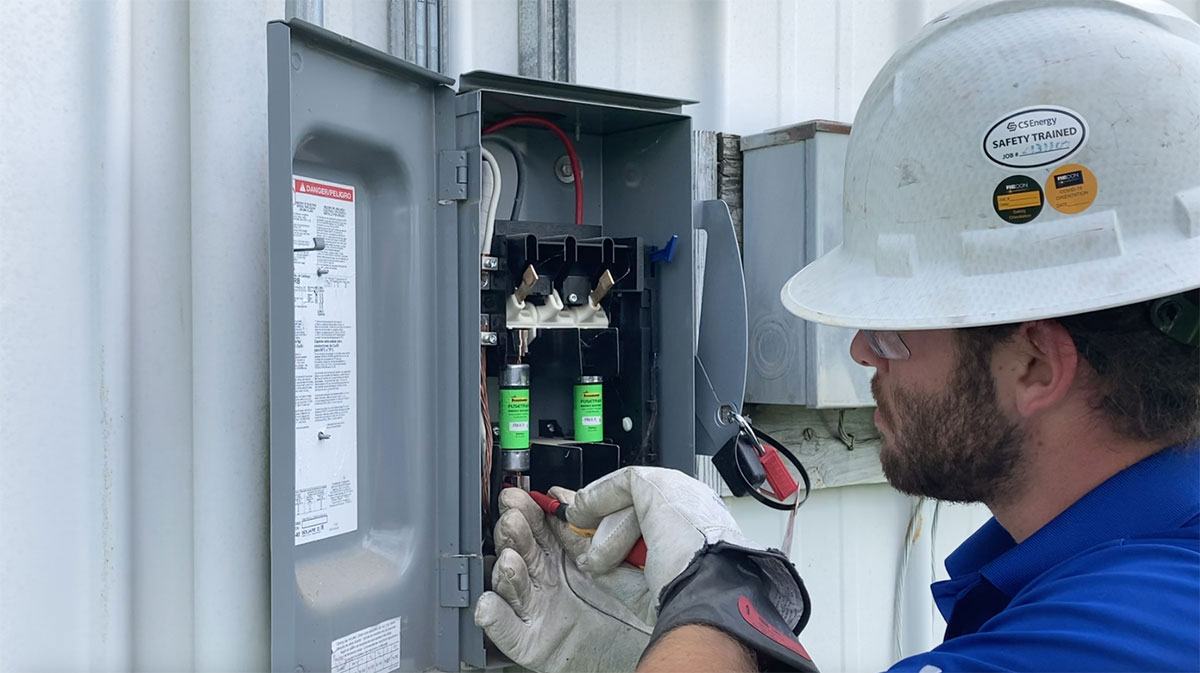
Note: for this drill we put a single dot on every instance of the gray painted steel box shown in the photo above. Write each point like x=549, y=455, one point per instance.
x=792, y=191
x=409, y=144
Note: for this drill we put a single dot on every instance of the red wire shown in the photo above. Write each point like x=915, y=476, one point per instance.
x=571, y=154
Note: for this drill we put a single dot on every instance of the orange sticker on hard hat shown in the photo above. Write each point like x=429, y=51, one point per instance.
x=1071, y=189
x=1017, y=199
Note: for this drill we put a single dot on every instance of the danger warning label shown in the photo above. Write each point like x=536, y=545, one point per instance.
x=324, y=190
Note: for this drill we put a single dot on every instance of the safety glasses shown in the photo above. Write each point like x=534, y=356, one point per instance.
x=887, y=345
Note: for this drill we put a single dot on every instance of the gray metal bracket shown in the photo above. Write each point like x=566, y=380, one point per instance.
x=452, y=175
x=720, y=363
x=714, y=430
x=454, y=581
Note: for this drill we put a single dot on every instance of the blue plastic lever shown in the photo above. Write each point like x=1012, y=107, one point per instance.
x=667, y=253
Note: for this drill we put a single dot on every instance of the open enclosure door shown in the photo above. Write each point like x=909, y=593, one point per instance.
x=365, y=178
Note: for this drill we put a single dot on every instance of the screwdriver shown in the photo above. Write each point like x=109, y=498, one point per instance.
x=558, y=509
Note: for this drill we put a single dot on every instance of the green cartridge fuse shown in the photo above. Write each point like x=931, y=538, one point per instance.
x=514, y=418
x=589, y=409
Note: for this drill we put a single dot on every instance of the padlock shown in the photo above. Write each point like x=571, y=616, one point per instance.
x=783, y=485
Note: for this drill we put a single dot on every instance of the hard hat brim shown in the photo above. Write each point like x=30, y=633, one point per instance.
x=844, y=290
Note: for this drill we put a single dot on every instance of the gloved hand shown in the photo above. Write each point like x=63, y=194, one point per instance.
x=545, y=614
x=676, y=514
x=700, y=569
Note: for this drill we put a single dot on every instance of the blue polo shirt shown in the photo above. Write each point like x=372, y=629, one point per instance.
x=1111, y=584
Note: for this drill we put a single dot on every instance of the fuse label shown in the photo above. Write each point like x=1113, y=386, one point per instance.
x=589, y=412
x=514, y=418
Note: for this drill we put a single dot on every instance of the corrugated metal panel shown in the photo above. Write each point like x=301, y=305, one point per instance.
x=133, y=309
x=163, y=605
x=133, y=335
x=754, y=65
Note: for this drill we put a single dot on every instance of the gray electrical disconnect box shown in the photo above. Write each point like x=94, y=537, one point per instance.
x=792, y=193
x=388, y=327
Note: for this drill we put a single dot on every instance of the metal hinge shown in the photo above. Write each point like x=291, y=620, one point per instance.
x=452, y=175
x=454, y=581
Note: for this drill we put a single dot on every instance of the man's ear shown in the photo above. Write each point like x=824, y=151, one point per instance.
x=1047, y=365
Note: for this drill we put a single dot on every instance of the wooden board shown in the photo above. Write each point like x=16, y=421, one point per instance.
x=812, y=434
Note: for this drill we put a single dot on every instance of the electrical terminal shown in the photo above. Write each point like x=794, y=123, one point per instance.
x=554, y=313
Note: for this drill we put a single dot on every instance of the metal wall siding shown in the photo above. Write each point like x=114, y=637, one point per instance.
x=229, y=337
x=161, y=409
x=133, y=361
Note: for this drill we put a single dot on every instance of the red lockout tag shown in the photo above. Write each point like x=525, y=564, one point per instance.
x=781, y=481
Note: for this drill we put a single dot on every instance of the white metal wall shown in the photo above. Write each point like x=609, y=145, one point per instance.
x=133, y=384
x=133, y=375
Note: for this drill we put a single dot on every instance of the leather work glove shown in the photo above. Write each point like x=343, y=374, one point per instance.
x=700, y=569
x=545, y=614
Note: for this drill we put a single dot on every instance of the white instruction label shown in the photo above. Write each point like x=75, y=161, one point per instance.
x=375, y=649
x=326, y=360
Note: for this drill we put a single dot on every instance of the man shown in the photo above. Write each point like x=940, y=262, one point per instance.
x=1021, y=256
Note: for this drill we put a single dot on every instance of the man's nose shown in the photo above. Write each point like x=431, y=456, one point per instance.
x=861, y=351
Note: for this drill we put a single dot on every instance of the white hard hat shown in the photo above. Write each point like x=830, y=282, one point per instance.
x=1019, y=160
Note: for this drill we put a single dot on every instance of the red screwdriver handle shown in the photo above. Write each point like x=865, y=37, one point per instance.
x=637, y=555
x=549, y=505
x=558, y=509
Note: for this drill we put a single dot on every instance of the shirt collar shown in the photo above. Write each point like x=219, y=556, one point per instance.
x=1159, y=493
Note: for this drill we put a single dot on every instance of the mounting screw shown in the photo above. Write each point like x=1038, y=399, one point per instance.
x=563, y=170
x=573, y=298
x=323, y=435
x=627, y=424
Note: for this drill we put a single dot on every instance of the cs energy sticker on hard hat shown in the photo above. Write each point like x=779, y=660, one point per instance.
x=1017, y=199
x=1071, y=189
x=1035, y=136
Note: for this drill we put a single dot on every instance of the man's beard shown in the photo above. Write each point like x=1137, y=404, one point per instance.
x=958, y=446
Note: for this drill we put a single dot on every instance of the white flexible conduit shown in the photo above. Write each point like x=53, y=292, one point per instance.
x=490, y=200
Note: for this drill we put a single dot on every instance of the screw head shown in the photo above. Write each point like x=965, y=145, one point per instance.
x=572, y=297
x=563, y=170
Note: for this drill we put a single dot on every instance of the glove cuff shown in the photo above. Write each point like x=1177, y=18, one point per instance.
x=741, y=592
